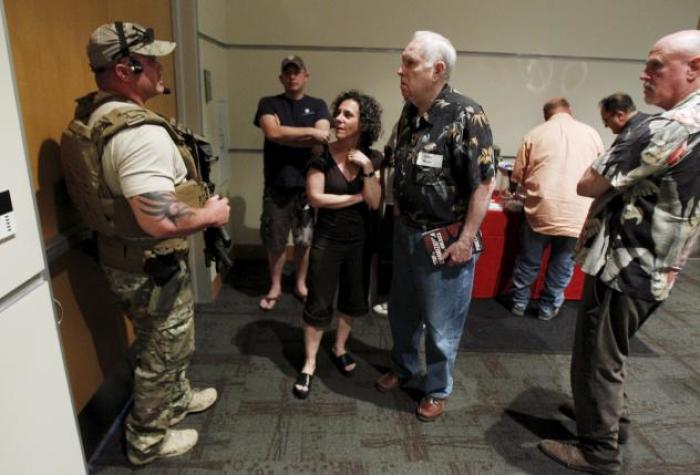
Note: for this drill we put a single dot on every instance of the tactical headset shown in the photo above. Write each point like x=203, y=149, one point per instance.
x=146, y=36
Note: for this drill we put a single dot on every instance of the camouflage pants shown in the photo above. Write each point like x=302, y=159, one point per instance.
x=164, y=346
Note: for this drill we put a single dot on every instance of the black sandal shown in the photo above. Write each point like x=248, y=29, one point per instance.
x=303, y=380
x=342, y=362
x=301, y=298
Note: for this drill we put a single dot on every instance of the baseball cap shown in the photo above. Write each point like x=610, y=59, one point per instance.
x=295, y=60
x=107, y=43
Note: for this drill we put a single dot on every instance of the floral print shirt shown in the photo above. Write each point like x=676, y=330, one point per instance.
x=639, y=233
x=440, y=159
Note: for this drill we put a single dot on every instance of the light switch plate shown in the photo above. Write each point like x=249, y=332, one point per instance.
x=7, y=216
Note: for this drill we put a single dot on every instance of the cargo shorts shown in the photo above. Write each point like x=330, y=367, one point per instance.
x=285, y=210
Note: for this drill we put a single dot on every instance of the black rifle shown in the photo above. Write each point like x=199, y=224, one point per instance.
x=216, y=240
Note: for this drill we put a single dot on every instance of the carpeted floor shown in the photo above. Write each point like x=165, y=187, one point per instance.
x=502, y=404
x=492, y=328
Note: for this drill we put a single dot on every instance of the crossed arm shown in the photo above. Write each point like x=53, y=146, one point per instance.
x=592, y=184
x=371, y=188
x=315, y=185
x=301, y=137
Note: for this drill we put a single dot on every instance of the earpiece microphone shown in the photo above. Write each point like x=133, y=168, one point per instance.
x=135, y=65
x=124, y=51
x=166, y=90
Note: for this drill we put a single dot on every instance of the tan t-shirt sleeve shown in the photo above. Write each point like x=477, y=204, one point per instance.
x=142, y=160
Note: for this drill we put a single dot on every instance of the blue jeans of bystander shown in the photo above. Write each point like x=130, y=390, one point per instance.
x=421, y=293
x=560, y=268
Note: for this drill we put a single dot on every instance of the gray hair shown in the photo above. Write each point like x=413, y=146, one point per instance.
x=437, y=48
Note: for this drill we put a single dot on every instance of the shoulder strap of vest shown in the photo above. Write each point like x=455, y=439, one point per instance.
x=87, y=104
x=126, y=117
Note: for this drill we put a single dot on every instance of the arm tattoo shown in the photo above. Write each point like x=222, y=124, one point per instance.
x=163, y=205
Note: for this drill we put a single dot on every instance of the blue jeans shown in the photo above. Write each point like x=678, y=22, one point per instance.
x=560, y=268
x=437, y=296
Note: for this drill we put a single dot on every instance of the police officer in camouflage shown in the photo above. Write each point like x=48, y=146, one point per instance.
x=153, y=198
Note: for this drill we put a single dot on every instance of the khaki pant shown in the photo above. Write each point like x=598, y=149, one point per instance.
x=164, y=344
x=606, y=322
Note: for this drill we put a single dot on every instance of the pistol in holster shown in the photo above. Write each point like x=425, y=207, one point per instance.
x=167, y=273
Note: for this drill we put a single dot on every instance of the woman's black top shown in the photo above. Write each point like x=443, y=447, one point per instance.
x=344, y=224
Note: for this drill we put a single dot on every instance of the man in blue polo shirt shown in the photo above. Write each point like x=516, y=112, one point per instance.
x=292, y=124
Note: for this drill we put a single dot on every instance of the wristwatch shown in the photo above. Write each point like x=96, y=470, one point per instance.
x=367, y=175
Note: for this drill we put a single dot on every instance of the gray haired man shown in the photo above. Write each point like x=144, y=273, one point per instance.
x=443, y=180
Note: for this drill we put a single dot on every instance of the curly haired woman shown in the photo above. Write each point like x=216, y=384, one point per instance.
x=343, y=185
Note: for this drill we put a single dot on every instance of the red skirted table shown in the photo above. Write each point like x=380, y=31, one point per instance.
x=501, y=230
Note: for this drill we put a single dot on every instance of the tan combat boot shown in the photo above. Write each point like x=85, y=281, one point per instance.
x=202, y=399
x=176, y=442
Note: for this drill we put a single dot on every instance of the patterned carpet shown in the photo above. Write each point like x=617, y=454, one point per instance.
x=503, y=403
x=492, y=328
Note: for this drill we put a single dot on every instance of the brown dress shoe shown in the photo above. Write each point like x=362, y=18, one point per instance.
x=388, y=382
x=571, y=456
x=430, y=408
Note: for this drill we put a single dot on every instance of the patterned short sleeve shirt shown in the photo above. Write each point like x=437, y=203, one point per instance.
x=440, y=159
x=638, y=234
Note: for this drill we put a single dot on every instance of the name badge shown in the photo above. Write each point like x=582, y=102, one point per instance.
x=432, y=160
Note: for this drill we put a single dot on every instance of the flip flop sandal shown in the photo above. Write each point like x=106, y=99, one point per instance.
x=271, y=303
x=342, y=362
x=303, y=380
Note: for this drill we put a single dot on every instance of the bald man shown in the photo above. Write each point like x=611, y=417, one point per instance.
x=640, y=229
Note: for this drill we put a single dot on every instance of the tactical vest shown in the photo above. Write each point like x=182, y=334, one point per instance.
x=122, y=244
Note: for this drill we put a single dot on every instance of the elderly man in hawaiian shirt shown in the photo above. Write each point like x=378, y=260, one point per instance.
x=443, y=176
x=640, y=229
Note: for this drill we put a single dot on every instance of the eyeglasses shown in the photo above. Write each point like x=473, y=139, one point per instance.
x=607, y=117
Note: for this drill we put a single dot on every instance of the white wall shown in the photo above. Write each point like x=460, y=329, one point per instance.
x=514, y=55
x=40, y=433
x=212, y=20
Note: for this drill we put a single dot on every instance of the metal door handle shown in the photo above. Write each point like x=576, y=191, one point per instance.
x=59, y=311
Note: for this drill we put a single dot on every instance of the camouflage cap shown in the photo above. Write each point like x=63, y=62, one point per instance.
x=108, y=44
x=293, y=60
